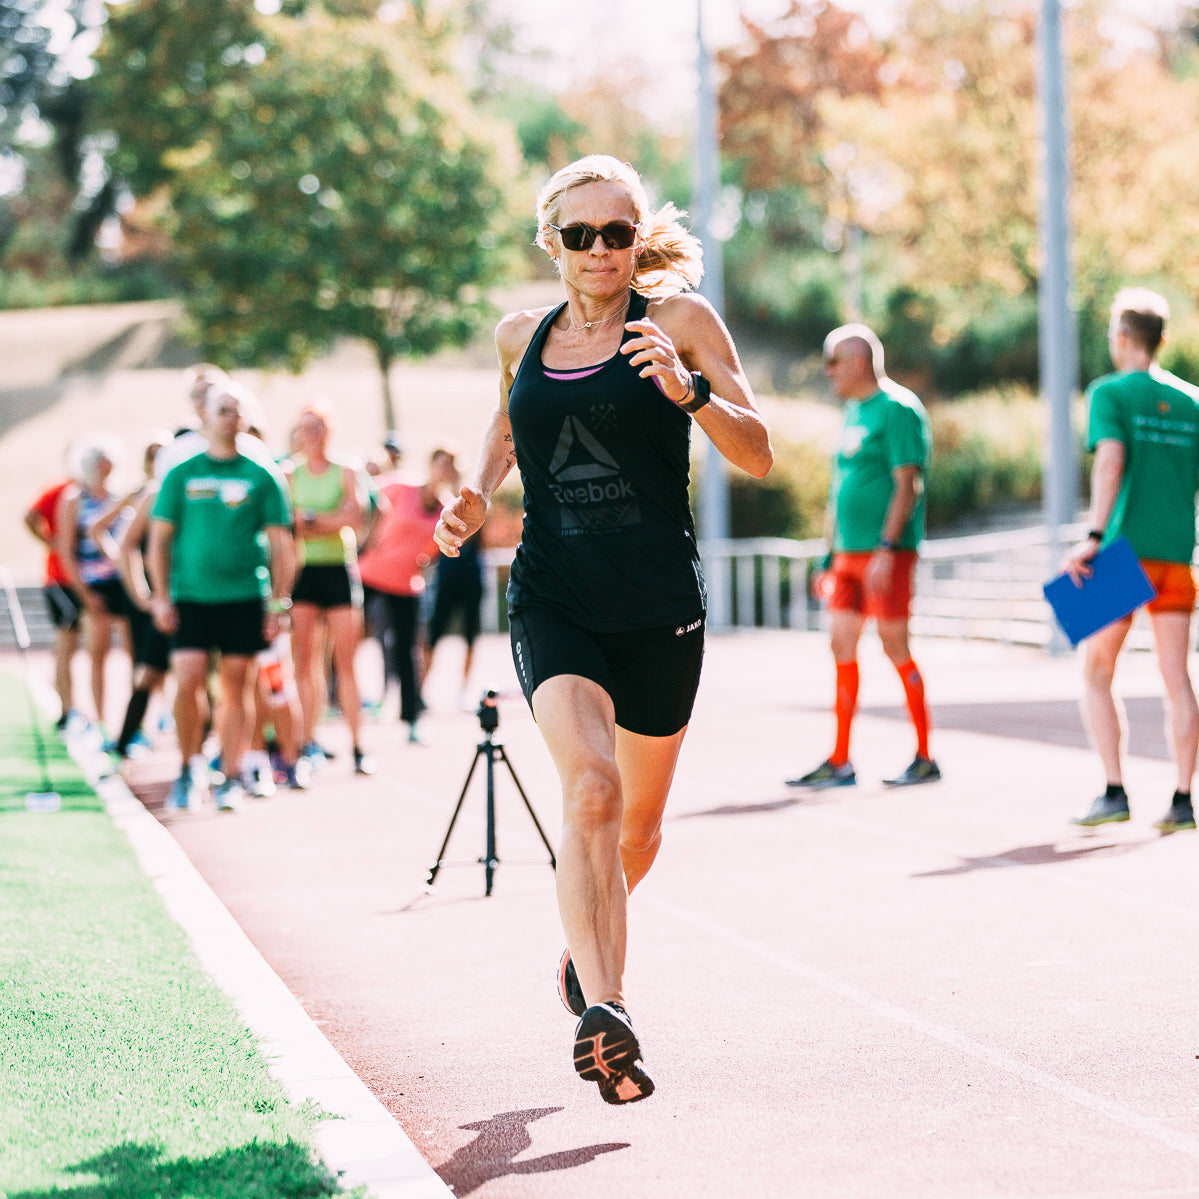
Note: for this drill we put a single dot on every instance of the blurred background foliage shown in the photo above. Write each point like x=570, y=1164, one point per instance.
x=302, y=170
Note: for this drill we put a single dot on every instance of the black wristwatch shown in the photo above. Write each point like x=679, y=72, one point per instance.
x=885, y=543
x=698, y=396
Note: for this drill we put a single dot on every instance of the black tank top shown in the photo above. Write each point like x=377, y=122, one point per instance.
x=605, y=461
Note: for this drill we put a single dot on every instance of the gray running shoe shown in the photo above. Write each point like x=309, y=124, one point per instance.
x=826, y=775
x=1180, y=816
x=922, y=770
x=1105, y=810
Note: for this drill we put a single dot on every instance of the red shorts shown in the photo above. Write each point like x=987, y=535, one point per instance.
x=848, y=586
x=1174, y=583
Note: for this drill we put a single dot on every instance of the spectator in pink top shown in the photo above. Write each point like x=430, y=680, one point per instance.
x=392, y=569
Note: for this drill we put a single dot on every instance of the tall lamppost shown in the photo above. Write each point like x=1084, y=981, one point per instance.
x=1057, y=323
x=714, y=481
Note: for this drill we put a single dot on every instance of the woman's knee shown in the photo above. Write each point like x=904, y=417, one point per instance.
x=592, y=796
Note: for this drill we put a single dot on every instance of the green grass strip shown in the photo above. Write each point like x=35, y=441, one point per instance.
x=125, y=1073
x=21, y=764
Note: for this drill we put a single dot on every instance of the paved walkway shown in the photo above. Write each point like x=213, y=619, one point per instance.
x=941, y=992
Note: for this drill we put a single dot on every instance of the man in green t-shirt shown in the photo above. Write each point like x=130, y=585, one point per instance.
x=216, y=515
x=876, y=523
x=1144, y=429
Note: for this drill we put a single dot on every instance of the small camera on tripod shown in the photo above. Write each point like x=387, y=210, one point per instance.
x=487, y=711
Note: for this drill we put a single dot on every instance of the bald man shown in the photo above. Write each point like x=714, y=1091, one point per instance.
x=876, y=523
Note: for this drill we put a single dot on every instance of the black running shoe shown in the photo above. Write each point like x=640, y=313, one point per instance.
x=922, y=770
x=826, y=775
x=569, y=990
x=607, y=1053
x=1180, y=816
x=1107, y=809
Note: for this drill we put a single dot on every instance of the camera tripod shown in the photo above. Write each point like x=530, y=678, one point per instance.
x=489, y=748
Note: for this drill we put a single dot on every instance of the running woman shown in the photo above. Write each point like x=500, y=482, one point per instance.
x=597, y=398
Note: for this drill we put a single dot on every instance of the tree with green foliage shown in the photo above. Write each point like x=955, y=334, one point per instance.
x=325, y=176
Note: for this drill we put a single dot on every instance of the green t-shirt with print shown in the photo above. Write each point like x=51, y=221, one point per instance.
x=219, y=508
x=878, y=434
x=1155, y=416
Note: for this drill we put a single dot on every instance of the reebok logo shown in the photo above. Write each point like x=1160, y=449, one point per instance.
x=575, y=441
x=594, y=495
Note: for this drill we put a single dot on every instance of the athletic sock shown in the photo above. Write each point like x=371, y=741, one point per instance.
x=913, y=690
x=135, y=713
x=1181, y=797
x=1116, y=791
x=844, y=707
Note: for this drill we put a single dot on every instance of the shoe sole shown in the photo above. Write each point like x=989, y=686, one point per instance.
x=823, y=785
x=606, y=1052
x=932, y=778
x=569, y=990
x=1096, y=821
x=1168, y=826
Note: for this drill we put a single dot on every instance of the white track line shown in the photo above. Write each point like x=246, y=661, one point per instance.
x=1119, y=1114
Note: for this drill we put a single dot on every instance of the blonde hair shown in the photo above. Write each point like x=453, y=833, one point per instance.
x=670, y=258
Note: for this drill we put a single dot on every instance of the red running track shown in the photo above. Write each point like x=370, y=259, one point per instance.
x=940, y=992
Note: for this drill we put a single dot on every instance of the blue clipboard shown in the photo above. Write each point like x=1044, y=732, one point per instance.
x=1118, y=586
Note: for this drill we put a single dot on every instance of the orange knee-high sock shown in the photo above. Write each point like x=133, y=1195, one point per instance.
x=913, y=690
x=844, y=706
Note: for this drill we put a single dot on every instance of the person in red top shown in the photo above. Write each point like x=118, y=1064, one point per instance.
x=61, y=599
x=391, y=567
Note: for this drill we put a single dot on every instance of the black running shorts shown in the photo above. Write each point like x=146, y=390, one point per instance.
x=652, y=675
x=64, y=606
x=112, y=595
x=324, y=585
x=234, y=628
x=150, y=647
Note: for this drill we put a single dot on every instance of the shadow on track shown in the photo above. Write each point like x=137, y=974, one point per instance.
x=490, y=1155
x=1032, y=855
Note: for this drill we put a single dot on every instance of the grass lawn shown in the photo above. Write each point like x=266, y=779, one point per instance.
x=125, y=1073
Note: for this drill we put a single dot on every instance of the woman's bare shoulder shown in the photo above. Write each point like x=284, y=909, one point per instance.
x=515, y=331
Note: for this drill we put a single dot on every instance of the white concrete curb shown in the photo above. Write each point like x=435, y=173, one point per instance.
x=363, y=1146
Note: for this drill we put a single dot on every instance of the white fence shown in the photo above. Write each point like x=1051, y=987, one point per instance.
x=986, y=587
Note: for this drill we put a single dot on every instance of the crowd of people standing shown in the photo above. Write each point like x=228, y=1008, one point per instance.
x=249, y=580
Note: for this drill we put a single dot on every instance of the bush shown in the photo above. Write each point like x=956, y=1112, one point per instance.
x=794, y=296
x=89, y=285
x=986, y=450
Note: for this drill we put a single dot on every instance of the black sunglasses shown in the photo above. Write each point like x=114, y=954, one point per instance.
x=617, y=235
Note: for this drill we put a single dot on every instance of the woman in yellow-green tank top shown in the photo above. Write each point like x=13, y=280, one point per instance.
x=325, y=496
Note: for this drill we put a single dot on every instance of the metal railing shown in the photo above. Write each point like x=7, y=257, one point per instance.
x=986, y=586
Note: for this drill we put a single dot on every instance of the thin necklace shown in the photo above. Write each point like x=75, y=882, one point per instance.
x=596, y=324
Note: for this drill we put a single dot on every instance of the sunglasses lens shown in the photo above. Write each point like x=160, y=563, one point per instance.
x=618, y=235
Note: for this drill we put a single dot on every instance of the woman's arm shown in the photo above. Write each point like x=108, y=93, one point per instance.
x=464, y=517
x=683, y=334
x=129, y=552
